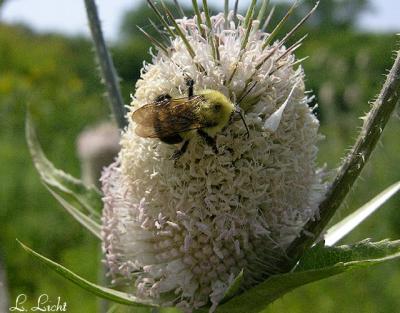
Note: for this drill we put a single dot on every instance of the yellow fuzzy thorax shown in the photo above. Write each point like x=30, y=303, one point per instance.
x=220, y=117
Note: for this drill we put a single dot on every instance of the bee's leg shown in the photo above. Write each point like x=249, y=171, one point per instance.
x=190, y=84
x=209, y=140
x=162, y=99
x=178, y=153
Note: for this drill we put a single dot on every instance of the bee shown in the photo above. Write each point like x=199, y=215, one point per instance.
x=175, y=121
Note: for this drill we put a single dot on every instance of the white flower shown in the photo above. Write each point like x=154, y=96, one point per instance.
x=179, y=233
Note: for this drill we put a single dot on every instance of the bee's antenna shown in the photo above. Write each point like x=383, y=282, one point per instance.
x=246, y=92
x=240, y=112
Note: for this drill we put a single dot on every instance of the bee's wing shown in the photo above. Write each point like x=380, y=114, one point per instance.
x=146, y=131
x=158, y=120
x=145, y=115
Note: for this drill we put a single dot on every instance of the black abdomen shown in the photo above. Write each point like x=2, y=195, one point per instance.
x=172, y=139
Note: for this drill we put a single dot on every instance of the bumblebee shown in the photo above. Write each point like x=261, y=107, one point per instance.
x=175, y=121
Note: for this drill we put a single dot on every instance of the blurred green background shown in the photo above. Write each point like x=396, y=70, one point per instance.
x=345, y=71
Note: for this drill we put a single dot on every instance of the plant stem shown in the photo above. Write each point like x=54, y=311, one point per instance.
x=106, y=65
x=374, y=123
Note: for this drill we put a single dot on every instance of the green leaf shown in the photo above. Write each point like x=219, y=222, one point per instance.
x=341, y=229
x=321, y=256
x=318, y=263
x=234, y=287
x=85, y=220
x=88, y=196
x=103, y=292
x=86, y=200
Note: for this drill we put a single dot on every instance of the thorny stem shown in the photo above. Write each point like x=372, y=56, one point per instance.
x=108, y=72
x=235, y=11
x=374, y=123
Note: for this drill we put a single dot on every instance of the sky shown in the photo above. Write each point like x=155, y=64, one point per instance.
x=69, y=16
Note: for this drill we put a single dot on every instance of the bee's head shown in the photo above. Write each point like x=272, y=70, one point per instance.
x=217, y=106
x=220, y=109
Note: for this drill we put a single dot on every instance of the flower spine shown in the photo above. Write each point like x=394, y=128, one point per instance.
x=179, y=232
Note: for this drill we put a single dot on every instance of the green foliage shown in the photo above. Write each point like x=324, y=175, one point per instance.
x=100, y=291
x=331, y=15
x=64, y=92
x=318, y=263
x=338, y=231
x=81, y=201
x=345, y=71
x=337, y=69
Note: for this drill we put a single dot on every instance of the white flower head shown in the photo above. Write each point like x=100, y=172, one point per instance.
x=179, y=232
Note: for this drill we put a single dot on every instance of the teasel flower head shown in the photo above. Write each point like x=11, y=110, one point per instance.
x=180, y=232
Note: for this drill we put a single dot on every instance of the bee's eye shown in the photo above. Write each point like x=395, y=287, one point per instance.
x=217, y=107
